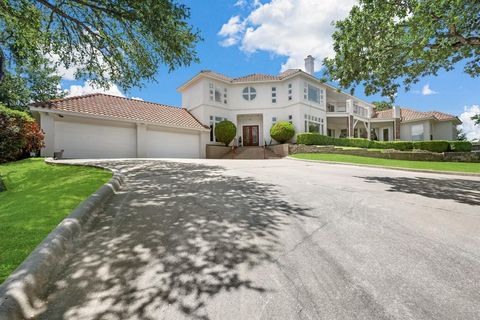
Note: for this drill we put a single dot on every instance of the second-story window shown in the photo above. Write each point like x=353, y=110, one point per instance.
x=290, y=92
x=312, y=93
x=274, y=94
x=249, y=93
x=225, y=100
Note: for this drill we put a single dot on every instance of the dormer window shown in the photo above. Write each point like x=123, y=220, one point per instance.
x=249, y=93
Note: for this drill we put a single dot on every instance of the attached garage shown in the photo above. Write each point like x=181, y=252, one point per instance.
x=103, y=126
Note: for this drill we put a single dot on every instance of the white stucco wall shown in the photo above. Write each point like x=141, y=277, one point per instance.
x=444, y=130
x=406, y=130
x=262, y=105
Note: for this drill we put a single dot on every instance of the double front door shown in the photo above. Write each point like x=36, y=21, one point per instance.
x=250, y=135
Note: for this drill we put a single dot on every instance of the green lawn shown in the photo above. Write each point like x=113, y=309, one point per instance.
x=428, y=165
x=38, y=197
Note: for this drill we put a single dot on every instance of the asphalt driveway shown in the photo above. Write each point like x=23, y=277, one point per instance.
x=278, y=239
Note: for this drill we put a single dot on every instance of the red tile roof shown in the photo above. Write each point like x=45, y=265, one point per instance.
x=413, y=115
x=255, y=77
x=104, y=105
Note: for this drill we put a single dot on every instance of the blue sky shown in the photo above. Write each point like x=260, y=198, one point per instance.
x=252, y=36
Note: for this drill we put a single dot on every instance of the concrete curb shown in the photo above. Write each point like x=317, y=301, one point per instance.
x=452, y=173
x=21, y=293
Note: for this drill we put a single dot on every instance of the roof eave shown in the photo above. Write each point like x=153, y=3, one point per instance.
x=102, y=117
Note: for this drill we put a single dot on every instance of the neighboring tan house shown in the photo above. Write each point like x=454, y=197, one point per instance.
x=104, y=126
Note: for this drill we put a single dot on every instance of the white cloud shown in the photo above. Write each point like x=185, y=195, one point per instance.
x=137, y=98
x=468, y=126
x=88, y=88
x=290, y=28
x=231, y=31
x=427, y=91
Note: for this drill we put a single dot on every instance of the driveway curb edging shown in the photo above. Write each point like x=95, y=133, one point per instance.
x=455, y=173
x=20, y=294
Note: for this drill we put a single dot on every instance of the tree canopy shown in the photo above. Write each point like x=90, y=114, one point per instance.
x=30, y=83
x=109, y=41
x=382, y=105
x=383, y=44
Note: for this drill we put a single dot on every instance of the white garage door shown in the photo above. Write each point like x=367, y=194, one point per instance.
x=84, y=140
x=168, y=144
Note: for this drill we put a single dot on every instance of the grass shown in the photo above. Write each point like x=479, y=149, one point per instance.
x=37, y=199
x=423, y=165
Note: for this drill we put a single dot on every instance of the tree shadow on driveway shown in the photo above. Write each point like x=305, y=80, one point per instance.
x=177, y=235
x=459, y=190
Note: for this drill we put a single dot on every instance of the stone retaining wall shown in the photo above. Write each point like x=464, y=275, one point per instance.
x=215, y=151
x=389, y=154
x=281, y=150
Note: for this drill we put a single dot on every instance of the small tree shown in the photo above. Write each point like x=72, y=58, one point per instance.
x=225, y=131
x=282, y=131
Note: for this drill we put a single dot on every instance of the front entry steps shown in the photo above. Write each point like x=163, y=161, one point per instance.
x=251, y=153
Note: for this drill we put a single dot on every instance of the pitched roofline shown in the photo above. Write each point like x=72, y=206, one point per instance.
x=119, y=119
x=40, y=104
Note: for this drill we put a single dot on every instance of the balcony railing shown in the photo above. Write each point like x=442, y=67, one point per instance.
x=360, y=111
x=337, y=108
x=349, y=106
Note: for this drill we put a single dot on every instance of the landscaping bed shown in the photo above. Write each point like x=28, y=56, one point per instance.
x=37, y=199
x=419, y=165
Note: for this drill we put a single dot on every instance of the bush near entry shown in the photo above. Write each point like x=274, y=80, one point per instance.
x=433, y=146
x=282, y=131
x=225, y=131
x=460, y=146
x=19, y=135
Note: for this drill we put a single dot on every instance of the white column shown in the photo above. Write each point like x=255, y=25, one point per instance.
x=47, y=123
x=141, y=140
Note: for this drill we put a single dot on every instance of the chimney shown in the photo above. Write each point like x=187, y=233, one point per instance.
x=310, y=64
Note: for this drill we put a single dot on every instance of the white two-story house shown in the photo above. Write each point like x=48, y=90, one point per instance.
x=104, y=126
x=255, y=102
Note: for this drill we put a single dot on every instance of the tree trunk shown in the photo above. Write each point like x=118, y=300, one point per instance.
x=2, y=65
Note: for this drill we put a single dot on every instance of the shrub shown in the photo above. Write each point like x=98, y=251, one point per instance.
x=460, y=146
x=353, y=142
x=19, y=134
x=396, y=145
x=282, y=131
x=314, y=139
x=433, y=146
x=225, y=131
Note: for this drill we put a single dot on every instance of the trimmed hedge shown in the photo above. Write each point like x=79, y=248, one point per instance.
x=315, y=139
x=460, y=146
x=433, y=146
x=282, y=131
x=225, y=131
x=19, y=135
x=396, y=145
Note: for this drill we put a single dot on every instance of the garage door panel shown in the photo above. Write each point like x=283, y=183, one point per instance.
x=168, y=144
x=83, y=140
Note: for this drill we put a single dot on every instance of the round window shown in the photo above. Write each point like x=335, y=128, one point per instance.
x=249, y=93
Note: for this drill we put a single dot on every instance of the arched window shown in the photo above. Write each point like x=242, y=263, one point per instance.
x=249, y=93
